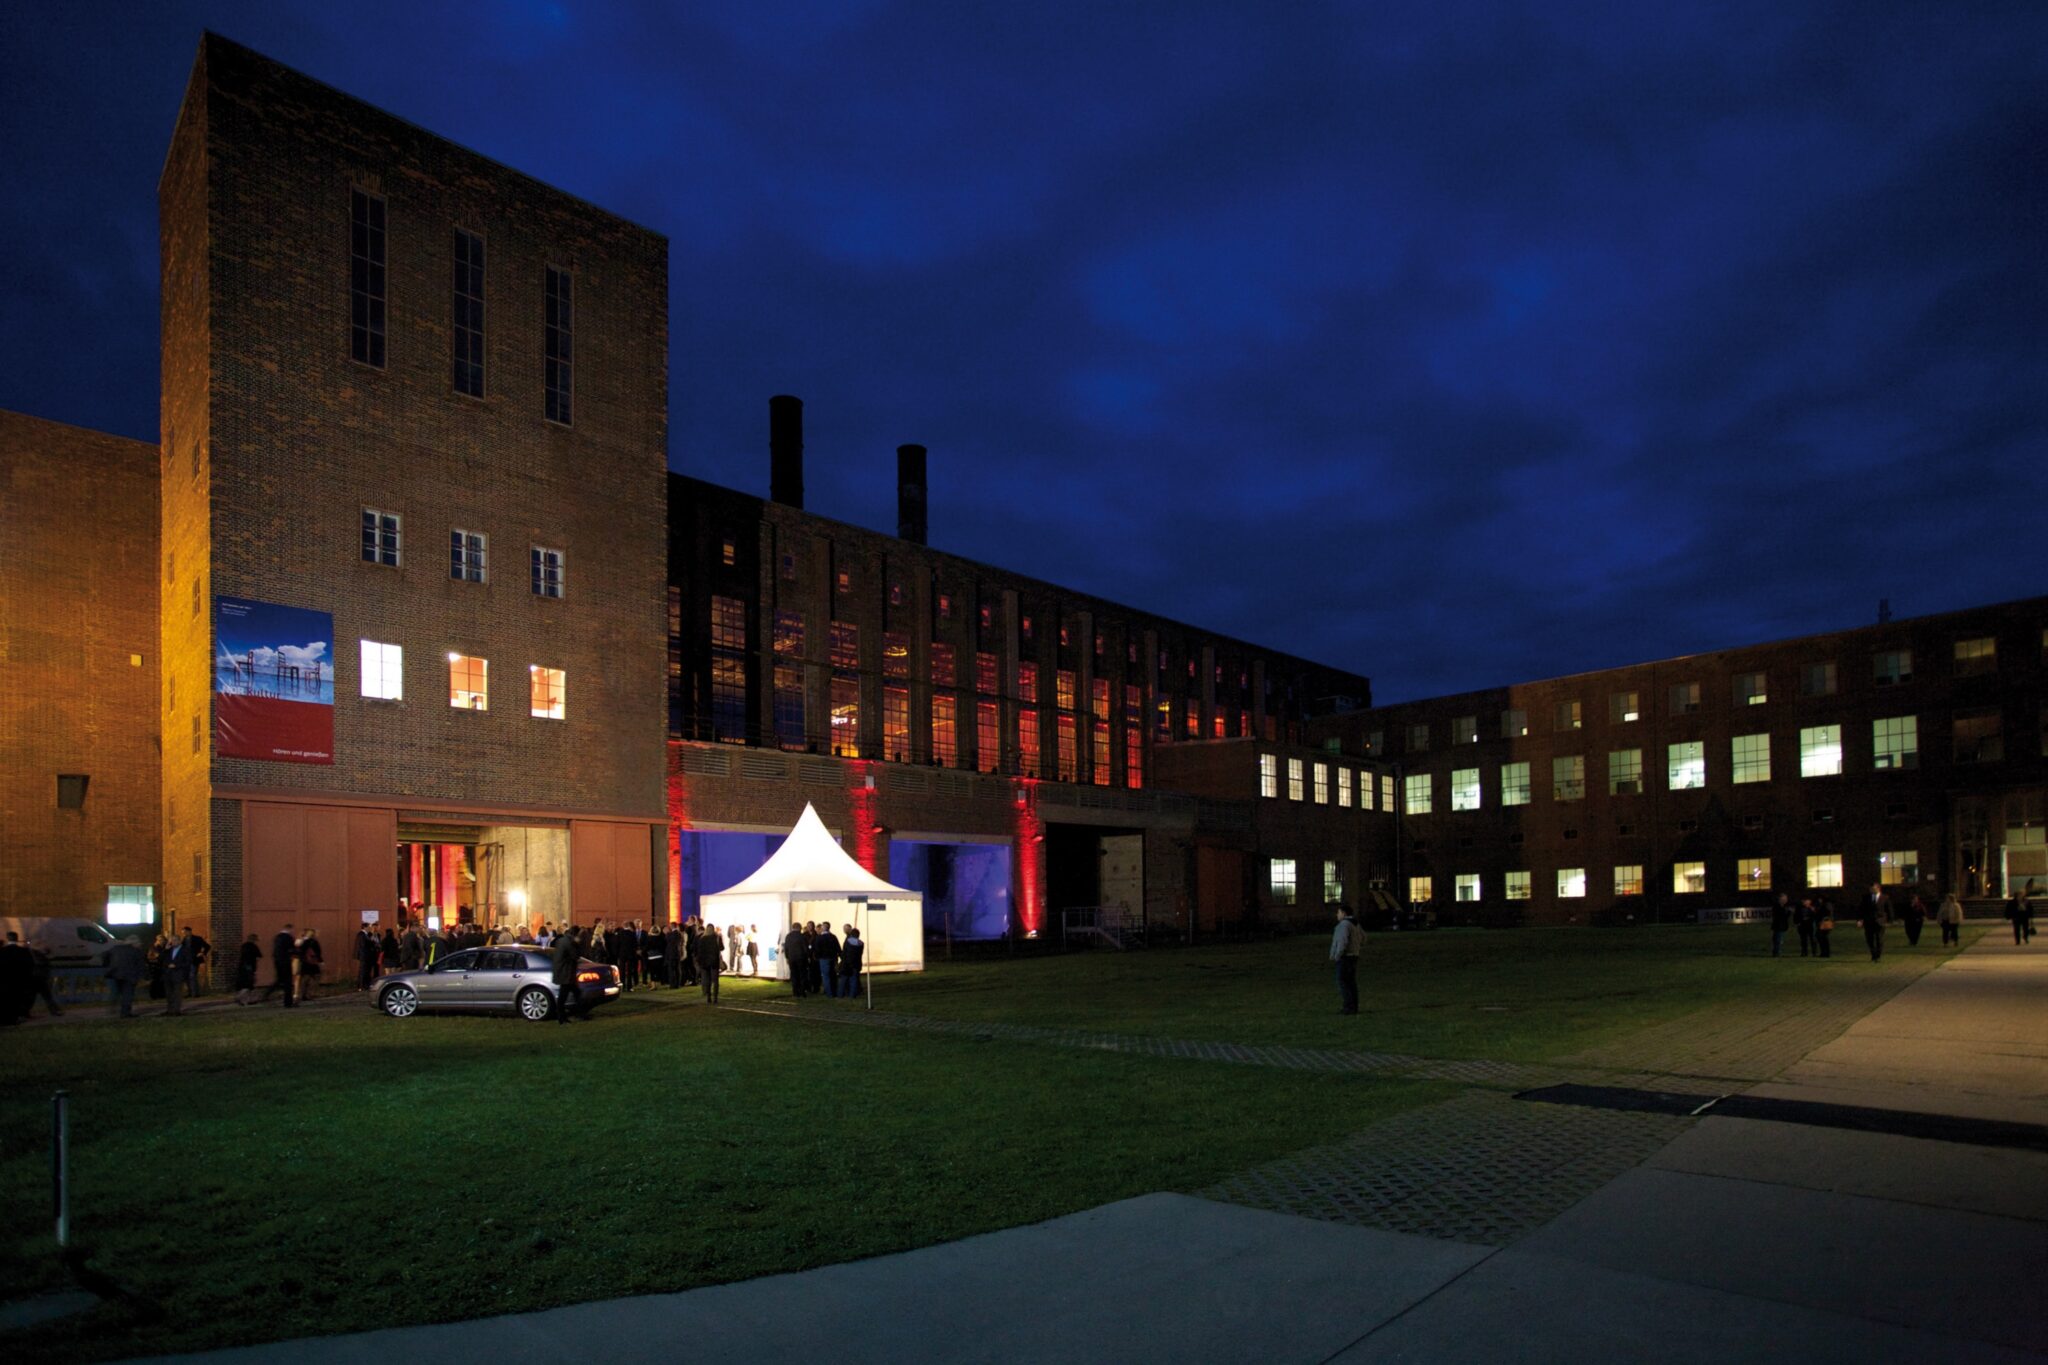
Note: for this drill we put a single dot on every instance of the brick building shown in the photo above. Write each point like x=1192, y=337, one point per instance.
x=413, y=454
x=1908, y=753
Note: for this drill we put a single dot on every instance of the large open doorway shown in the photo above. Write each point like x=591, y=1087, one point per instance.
x=493, y=876
x=966, y=886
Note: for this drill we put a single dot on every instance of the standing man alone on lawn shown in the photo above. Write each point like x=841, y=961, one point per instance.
x=1877, y=913
x=1345, y=945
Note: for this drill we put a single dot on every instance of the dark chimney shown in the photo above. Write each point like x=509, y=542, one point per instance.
x=786, y=450
x=910, y=519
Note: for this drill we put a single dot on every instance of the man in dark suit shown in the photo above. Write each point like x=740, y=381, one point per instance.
x=567, y=960
x=1877, y=913
x=709, y=949
x=125, y=965
x=367, y=951
x=672, y=955
x=284, y=949
x=795, y=954
x=825, y=950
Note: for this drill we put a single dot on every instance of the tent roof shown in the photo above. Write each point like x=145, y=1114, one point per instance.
x=811, y=860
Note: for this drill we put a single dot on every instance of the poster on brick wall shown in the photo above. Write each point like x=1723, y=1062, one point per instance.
x=273, y=682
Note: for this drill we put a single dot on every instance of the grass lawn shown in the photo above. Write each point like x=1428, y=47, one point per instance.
x=1522, y=995
x=264, y=1175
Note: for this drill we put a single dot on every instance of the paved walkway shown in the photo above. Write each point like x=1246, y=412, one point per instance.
x=1618, y=1237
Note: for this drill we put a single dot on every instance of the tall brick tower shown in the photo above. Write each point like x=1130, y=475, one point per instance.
x=413, y=524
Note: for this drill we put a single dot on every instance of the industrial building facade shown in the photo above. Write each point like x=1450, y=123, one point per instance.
x=1908, y=753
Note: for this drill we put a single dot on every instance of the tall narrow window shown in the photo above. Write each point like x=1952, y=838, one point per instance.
x=1294, y=784
x=1063, y=688
x=896, y=724
x=1333, y=880
x=1134, y=756
x=561, y=346
x=1098, y=751
x=1027, y=682
x=547, y=572
x=1098, y=695
x=1344, y=788
x=1028, y=761
x=895, y=661
x=550, y=688
x=466, y=321
x=467, y=555
x=728, y=670
x=986, y=675
x=987, y=736
x=383, y=668
x=946, y=730
x=1269, y=775
x=1322, y=784
x=1069, y=760
x=1387, y=793
x=366, y=278
x=1281, y=879
x=790, y=717
x=380, y=538
x=845, y=701
x=469, y=683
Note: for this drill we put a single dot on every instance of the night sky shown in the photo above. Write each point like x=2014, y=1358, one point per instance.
x=1459, y=344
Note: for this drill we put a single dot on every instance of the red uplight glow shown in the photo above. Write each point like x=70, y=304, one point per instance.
x=1030, y=836
x=867, y=825
x=678, y=821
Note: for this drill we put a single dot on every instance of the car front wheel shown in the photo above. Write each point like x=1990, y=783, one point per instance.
x=400, y=1002
x=535, y=1004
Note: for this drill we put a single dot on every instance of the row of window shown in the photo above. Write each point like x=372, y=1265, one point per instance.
x=1283, y=881
x=1895, y=867
x=1976, y=737
x=369, y=307
x=1313, y=781
x=469, y=681
x=1889, y=668
x=469, y=553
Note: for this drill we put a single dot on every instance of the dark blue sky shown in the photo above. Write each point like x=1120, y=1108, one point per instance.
x=1459, y=344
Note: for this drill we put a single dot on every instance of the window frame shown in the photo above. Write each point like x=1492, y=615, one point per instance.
x=550, y=685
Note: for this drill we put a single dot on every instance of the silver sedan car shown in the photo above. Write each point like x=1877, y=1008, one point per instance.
x=509, y=979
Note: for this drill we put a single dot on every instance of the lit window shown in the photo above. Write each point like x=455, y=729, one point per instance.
x=1063, y=688
x=1281, y=880
x=1344, y=787
x=1067, y=756
x=1465, y=789
x=842, y=582
x=1685, y=698
x=1420, y=891
x=895, y=654
x=1514, y=724
x=383, y=670
x=1624, y=772
x=1898, y=867
x=129, y=904
x=1269, y=775
x=895, y=594
x=1517, y=886
x=1514, y=784
x=988, y=737
x=1418, y=738
x=547, y=572
x=1417, y=793
x=550, y=692
x=1571, y=883
x=1817, y=680
x=1688, y=879
x=365, y=280
x=1751, y=689
x=466, y=556
x=1294, y=779
x=560, y=343
x=1365, y=785
x=1979, y=736
x=1753, y=874
x=728, y=670
x=1628, y=879
x=1027, y=682
x=945, y=606
x=1976, y=656
x=1568, y=778
x=792, y=713
x=1750, y=758
x=1322, y=788
x=380, y=538
x=466, y=317
x=1892, y=667
x=1623, y=708
x=946, y=730
x=1895, y=742
x=844, y=699
x=728, y=552
x=1823, y=869
x=1333, y=881
x=1465, y=730
x=1134, y=757
x=1387, y=793
x=1024, y=626
x=1568, y=717
x=1466, y=888
x=1027, y=742
x=1820, y=751
x=469, y=685
x=1686, y=766
x=1098, y=697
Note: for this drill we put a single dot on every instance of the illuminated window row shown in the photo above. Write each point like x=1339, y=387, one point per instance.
x=1823, y=871
x=1317, y=780
x=469, y=681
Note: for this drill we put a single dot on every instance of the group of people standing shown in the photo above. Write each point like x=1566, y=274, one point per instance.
x=1813, y=918
x=820, y=962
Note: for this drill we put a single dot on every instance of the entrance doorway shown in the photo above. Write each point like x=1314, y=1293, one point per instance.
x=491, y=876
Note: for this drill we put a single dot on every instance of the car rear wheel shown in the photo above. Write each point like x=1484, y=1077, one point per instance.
x=535, y=1004
x=400, y=1002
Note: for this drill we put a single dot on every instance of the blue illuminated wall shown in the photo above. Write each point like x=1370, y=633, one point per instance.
x=712, y=860
x=966, y=886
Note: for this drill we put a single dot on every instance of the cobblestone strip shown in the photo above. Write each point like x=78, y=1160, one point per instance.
x=1479, y=1168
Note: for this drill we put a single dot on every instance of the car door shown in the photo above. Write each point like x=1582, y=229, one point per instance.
x=495, y=984
x=447, y=985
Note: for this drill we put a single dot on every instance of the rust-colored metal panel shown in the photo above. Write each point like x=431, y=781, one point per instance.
x=326, y=855
x=276, y=837
x=593, y=871
x=1219, y=886
x=372, y=850
x=633, y=856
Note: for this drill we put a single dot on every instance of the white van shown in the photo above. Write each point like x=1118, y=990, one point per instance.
x=71, y=943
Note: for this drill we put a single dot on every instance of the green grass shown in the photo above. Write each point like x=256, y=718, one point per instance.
x=262, y=1175
x=1526, y=995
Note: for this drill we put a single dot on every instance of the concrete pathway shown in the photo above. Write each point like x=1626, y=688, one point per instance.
x=1727, y=1240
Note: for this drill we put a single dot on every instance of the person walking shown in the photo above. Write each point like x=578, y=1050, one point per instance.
x=1347, y=941
x=193, y=958
x=1803, y=918
x=1781, y=920
x=1824, y=926
x=793, y=957
x=753, y=950
x=284, y=956
x=1874, y=916
x=1916, y=915
x=124, y=969
x=709, y=950
x=1950, y=917
x=310, y=961
x=825, y=949
x=174, y=966
x=563, y=971
x=247, y=959
x=368, y=950
x=850, y=954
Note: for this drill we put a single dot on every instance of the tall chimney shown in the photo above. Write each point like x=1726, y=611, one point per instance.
x=910, y=518
x=786, y=450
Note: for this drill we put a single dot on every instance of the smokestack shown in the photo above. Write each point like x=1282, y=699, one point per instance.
x=910, y=518
x=786, y=450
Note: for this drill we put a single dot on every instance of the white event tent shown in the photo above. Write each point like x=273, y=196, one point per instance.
x=812, y=878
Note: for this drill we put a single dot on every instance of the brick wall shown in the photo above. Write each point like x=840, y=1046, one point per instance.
x=78, y=644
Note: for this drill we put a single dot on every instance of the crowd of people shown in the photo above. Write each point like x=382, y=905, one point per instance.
x=1813, y=920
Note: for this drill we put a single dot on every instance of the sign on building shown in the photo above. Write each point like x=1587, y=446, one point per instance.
x=273, y=682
